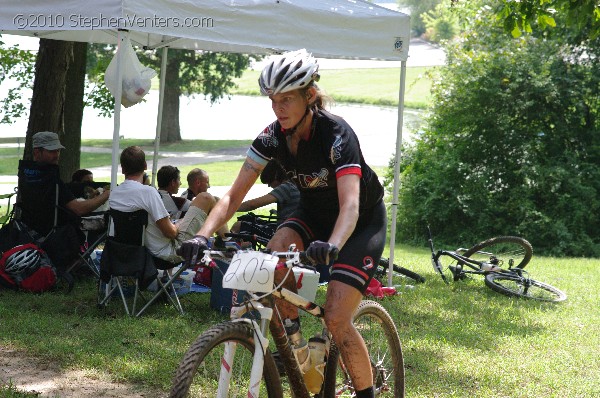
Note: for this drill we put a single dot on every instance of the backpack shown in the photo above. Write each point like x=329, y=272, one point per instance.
x=28, y=268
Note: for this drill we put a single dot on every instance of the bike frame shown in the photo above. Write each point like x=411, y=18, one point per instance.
x=261, y=341
x=475, y=265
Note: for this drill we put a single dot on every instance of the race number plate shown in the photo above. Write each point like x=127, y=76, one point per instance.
x=251, y=271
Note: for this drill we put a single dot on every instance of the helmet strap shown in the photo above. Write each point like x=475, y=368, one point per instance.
x=292, y=130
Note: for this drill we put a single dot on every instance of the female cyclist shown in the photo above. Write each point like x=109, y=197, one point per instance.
x=341, y=217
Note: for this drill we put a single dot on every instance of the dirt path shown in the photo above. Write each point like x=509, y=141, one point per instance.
x=48, y=380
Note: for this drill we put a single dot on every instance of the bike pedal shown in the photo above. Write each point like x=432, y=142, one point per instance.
x=279, y=363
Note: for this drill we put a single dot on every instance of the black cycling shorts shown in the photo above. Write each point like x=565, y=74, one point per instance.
x=359, y=257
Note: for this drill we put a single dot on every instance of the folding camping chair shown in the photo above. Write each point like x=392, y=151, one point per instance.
x=93, y=226
x=52, y=227
x=125, y=256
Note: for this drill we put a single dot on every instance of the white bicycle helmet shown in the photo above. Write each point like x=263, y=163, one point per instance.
x=290, y=71
x=22, y=261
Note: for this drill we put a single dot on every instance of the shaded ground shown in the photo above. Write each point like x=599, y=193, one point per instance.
x=48, y=380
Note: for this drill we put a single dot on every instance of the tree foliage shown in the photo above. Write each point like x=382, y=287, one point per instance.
x=512, y=144
x=16, y=66
x=526, y=15
x=442, y=23
x=417, y=8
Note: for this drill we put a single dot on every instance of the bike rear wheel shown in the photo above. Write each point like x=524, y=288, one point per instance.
x=504, y=251
x=513, y=285
x=198, y=372
x=379, y=333
x=399, y=274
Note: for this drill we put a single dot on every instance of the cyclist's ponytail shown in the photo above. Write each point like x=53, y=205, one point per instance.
x=322, y=100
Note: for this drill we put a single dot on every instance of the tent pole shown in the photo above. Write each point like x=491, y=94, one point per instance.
x=161, y=96
x=122, y=36
x=397, y=168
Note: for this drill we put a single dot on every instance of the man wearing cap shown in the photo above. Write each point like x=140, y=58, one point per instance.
x=46, y=204
x=46, y=149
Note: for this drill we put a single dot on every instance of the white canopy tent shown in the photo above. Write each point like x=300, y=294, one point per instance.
x=353, y=29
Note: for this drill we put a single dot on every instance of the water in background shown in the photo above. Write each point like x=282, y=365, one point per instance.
x=241, y=117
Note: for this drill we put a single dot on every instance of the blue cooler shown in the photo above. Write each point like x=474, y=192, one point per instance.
x=222, y=299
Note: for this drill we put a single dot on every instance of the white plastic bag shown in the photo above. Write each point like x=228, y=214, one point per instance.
x=137, y=78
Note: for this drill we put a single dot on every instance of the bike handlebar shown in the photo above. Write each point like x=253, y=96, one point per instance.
x=303, y=259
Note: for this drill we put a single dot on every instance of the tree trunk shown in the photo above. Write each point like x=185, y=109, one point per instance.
x=170, y=122
x=48, y=98
x=70, y=160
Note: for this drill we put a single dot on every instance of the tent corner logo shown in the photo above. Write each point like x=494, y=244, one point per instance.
x=398, y=44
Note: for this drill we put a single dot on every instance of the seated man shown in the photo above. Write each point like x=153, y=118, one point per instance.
x=169, y=181
x=42, y=207
x=198, y=182
x=163, y=236
x=82, y=175
x=83, y=186
x=46, y=150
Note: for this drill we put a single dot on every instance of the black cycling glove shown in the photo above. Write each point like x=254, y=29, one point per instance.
x=190, y=249
x=322, y=252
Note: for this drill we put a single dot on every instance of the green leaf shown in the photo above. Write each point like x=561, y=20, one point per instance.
x=545, y=21
x=515, y=32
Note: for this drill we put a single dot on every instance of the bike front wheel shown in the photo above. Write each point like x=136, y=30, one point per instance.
x=379, y=333
x=513, y=285
x=503, y=251
x=199, y=370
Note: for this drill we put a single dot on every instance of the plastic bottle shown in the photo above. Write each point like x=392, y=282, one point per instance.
x=313, y=377
x=299, y=345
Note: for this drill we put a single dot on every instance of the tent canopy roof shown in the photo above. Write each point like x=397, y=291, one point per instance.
x=352, y=29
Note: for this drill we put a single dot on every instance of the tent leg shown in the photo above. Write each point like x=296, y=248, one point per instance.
x=122, y=36
x=397, y=168
x=163, y=74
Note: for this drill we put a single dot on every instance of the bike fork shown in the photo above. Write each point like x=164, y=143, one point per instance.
x=261, y=344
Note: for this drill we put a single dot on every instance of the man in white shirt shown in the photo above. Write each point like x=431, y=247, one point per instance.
x=163, y=237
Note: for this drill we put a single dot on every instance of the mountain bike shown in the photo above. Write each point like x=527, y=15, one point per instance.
x=233, y=358
x=501, y=260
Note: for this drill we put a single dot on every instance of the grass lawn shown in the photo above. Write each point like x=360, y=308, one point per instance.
x=367, y=86
x=458, y=340
x=10, y=156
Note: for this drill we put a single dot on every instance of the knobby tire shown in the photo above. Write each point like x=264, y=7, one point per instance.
x=506, y=248
x=522, y=287
x=381, y=337
x=198, y=372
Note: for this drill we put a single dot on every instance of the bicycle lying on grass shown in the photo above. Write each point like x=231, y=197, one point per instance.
x=233, y=359
x=501, y=261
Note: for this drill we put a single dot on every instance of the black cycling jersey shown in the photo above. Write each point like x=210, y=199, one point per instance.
x=331, y=151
